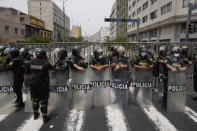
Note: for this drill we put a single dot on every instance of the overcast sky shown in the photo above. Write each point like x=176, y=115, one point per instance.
x=89, y=14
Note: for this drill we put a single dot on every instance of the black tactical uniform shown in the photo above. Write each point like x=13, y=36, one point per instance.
x=98, y=60
x=118, y=61
x=3, y=58
x=176, y=62
x=24, y=53
x=62, y=64
x=153, y=59
x=113, y=53
x=16, y=65
x=38, y=78
x=195, y=75
x=77, y=59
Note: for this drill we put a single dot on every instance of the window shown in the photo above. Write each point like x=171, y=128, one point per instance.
x=22, y=19
x=169, y=7
x=7, y=29
x=153, y=15
x=153, y=33
x=153, y=1
x=145, y=19
x=166, y=8
x=138, y=10
x=16, y=31
x=145, y=5
x=22, y=32
x=163, y=10
x=133, y=14
x=134, y=3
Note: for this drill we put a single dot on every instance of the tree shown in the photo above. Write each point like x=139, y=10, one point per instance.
x=119, y=39
x=37, y=39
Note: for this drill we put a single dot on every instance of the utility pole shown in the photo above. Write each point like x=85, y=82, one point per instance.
x=63, y=22
x=188, y=21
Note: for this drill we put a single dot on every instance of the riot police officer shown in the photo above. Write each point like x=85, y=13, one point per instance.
x=120, y=66
x=184, y=55
x=77, y=62
x=62, y=63
x=175, y=63
x=153, y=59
x=112, y=53
x=98, y=62
x=161, y=65
x=16, y=65
x=195, y=76
x=143, y=60
x=24, y=53
x=37, y=73
x=3, y=58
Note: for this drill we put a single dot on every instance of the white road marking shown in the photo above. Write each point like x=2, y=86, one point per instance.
x=75, y=120
x=115, y=118
x=191, y=114
x=160, y=121
x=2, y=117
x=31, y=125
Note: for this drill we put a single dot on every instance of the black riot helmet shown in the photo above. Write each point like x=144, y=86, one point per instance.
x=98, y=53
x=121, y=49
x=143, y=51
x=76, y=51
x=24, y=51
x=7, y=51
x=162, y=50
x=62, y=52
x=14, y=52
x=2, y=48
x=184, y=50
x=40, y=53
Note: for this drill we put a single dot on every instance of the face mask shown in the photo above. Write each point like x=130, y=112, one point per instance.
x=176, y=55
x=143, y=54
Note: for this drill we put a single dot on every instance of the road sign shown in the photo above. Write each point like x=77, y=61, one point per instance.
x=193, y=7
x=120, y=20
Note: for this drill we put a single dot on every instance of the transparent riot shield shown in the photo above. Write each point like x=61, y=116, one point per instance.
x=142, y=87
x=176, y=98
x=100, y=82
x=120, y=87
x=6, y=91
x=81, y=89
x=190, y=79
x=59, y=95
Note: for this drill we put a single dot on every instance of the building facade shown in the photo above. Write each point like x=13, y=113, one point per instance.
x=113, y=33
x=11, y=32
x=101, y=36
x=55, y=19
x=121, y=12
x=76, y=31
x=160, y=20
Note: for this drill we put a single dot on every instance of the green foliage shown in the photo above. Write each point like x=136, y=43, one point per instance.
x=37, y=39
x=119, y=39
x=73, y=39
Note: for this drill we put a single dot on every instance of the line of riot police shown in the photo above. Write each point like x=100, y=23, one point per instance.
x=34, y=72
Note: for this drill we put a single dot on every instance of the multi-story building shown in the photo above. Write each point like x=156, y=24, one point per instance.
x=101, y=36
x=11, y=32
x=160, y=20
x=113, y=33
x=34, y=26
x=55, y=19
x=76, y=31
x=121, y=12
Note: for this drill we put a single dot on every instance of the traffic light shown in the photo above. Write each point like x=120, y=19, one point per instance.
x=191, y=28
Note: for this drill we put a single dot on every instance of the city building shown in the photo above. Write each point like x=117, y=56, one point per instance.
x=122, y=12
x=34, y=26
x=113, y=33
x=55, y=19
x=76, y=31
x=11, y=32
x=160, y=20
x=101, y=36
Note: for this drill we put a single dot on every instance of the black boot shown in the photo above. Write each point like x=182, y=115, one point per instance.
x=19, y=104
x=45, y=119
x=36, y=115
